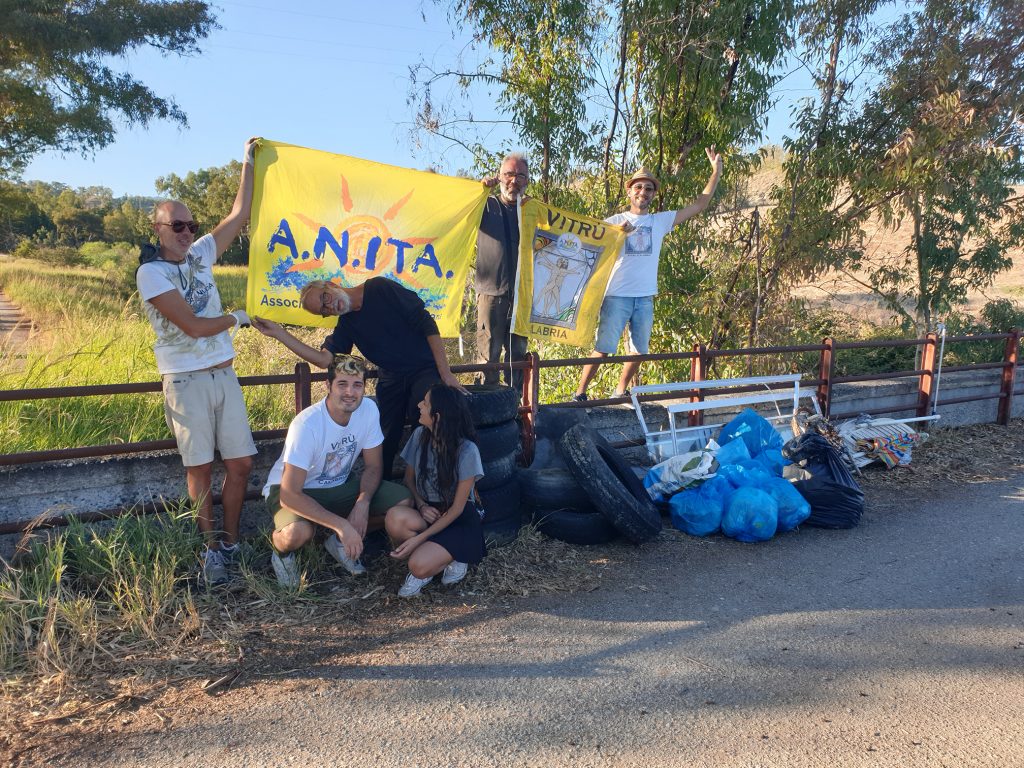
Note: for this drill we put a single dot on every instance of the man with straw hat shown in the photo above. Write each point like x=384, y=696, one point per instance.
x=629, y=297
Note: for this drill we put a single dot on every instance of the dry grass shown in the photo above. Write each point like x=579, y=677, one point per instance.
x=981, y=453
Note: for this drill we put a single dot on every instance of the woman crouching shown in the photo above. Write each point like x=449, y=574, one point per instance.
x=444, y=531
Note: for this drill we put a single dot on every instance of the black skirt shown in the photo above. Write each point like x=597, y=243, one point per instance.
x=463, y=539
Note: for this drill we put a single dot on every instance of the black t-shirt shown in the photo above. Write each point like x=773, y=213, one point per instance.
x=497, y=249
x=390, y=329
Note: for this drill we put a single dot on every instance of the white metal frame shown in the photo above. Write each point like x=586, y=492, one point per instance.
x=664, y=443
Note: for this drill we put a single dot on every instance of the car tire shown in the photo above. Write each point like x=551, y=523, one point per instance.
x=552, y=488
x=497, y=441
x=574, y=526
x=498, y=472
x=503, y=515
x=491, y=404
x=611, y=484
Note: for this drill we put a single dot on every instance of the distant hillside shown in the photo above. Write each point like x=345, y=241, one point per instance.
x=843, y=292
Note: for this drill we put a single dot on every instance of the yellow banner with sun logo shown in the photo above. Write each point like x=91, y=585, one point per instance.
x=565, y=261
x=320, y=216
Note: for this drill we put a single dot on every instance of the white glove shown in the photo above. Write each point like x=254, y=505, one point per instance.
x=250, y=151
x=241, y=319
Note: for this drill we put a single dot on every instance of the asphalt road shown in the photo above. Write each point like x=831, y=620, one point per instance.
x=898, y=643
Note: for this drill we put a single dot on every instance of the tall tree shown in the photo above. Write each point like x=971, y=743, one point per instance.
x=57, y=88
x=936, y=142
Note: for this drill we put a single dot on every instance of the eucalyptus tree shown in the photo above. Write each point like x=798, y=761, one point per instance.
x=935, y=140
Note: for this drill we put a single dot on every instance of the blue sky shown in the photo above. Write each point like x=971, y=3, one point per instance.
x=328, y=75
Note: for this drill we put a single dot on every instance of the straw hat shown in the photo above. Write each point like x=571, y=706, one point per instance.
x=643, y=175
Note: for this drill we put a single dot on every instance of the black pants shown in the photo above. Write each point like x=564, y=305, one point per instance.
x=398, y=394
x=493, y=333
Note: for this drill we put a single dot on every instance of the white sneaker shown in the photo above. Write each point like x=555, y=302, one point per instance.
x=215, y=569
x=412, y=586
x=454, y=572
x=286, y=569
x=337, y=551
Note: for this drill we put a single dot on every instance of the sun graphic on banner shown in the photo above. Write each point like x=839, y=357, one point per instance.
x=368, y=236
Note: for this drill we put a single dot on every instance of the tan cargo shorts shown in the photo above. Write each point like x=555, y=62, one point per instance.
x=206, y=412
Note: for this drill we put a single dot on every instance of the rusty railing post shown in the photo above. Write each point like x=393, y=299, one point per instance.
x=826, y=366
x=697, y=373
x=528, y=410
x=926, y=382
x=303, y=387
x=1009, y=377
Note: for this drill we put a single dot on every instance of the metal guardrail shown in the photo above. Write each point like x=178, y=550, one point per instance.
x=701, y=358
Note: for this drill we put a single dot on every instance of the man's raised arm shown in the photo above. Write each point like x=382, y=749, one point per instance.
x=225, y=232
x=703, y=200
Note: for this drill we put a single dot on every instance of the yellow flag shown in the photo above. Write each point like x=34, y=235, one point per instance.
x=319, y=216
x=565, y=261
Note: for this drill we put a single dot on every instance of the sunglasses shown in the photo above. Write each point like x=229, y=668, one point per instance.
x=180, y=226
x=351, y=365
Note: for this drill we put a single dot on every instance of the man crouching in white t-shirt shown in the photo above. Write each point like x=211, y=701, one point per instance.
x=309, y=485
x=629, y=297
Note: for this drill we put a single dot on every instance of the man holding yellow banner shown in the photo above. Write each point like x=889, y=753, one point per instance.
x=497, y=257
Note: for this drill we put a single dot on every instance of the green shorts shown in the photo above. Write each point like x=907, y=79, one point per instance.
x=340, y=499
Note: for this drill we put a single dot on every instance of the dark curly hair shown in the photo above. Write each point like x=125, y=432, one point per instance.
x=451, y=424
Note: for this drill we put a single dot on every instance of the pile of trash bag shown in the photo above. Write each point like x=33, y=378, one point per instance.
x=734, y=485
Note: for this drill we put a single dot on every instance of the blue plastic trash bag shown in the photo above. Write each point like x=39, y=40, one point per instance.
x=732, y=452
x=750, y=515
x=747, y=473
x=774, y=460
x=793, y=508
x=758, y=473
x=756, y=431
x=698, y=511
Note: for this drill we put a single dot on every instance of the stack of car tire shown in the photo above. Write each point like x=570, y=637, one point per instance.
x=494, y=409
x=594, y=499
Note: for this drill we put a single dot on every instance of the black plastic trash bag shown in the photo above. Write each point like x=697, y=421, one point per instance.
x=835, y=498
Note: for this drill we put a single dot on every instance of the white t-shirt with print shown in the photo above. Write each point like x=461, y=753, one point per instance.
x=635, y=272
x=175, y=351
x=324, y=448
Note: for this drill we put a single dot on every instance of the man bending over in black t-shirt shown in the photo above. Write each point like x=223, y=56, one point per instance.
x=391, y=326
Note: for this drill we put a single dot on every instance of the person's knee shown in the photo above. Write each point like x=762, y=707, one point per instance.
x=240, y=467
x=200, y=478
x=293, y=536
x=403, y=521
x=200, y=471
x=421, y=567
